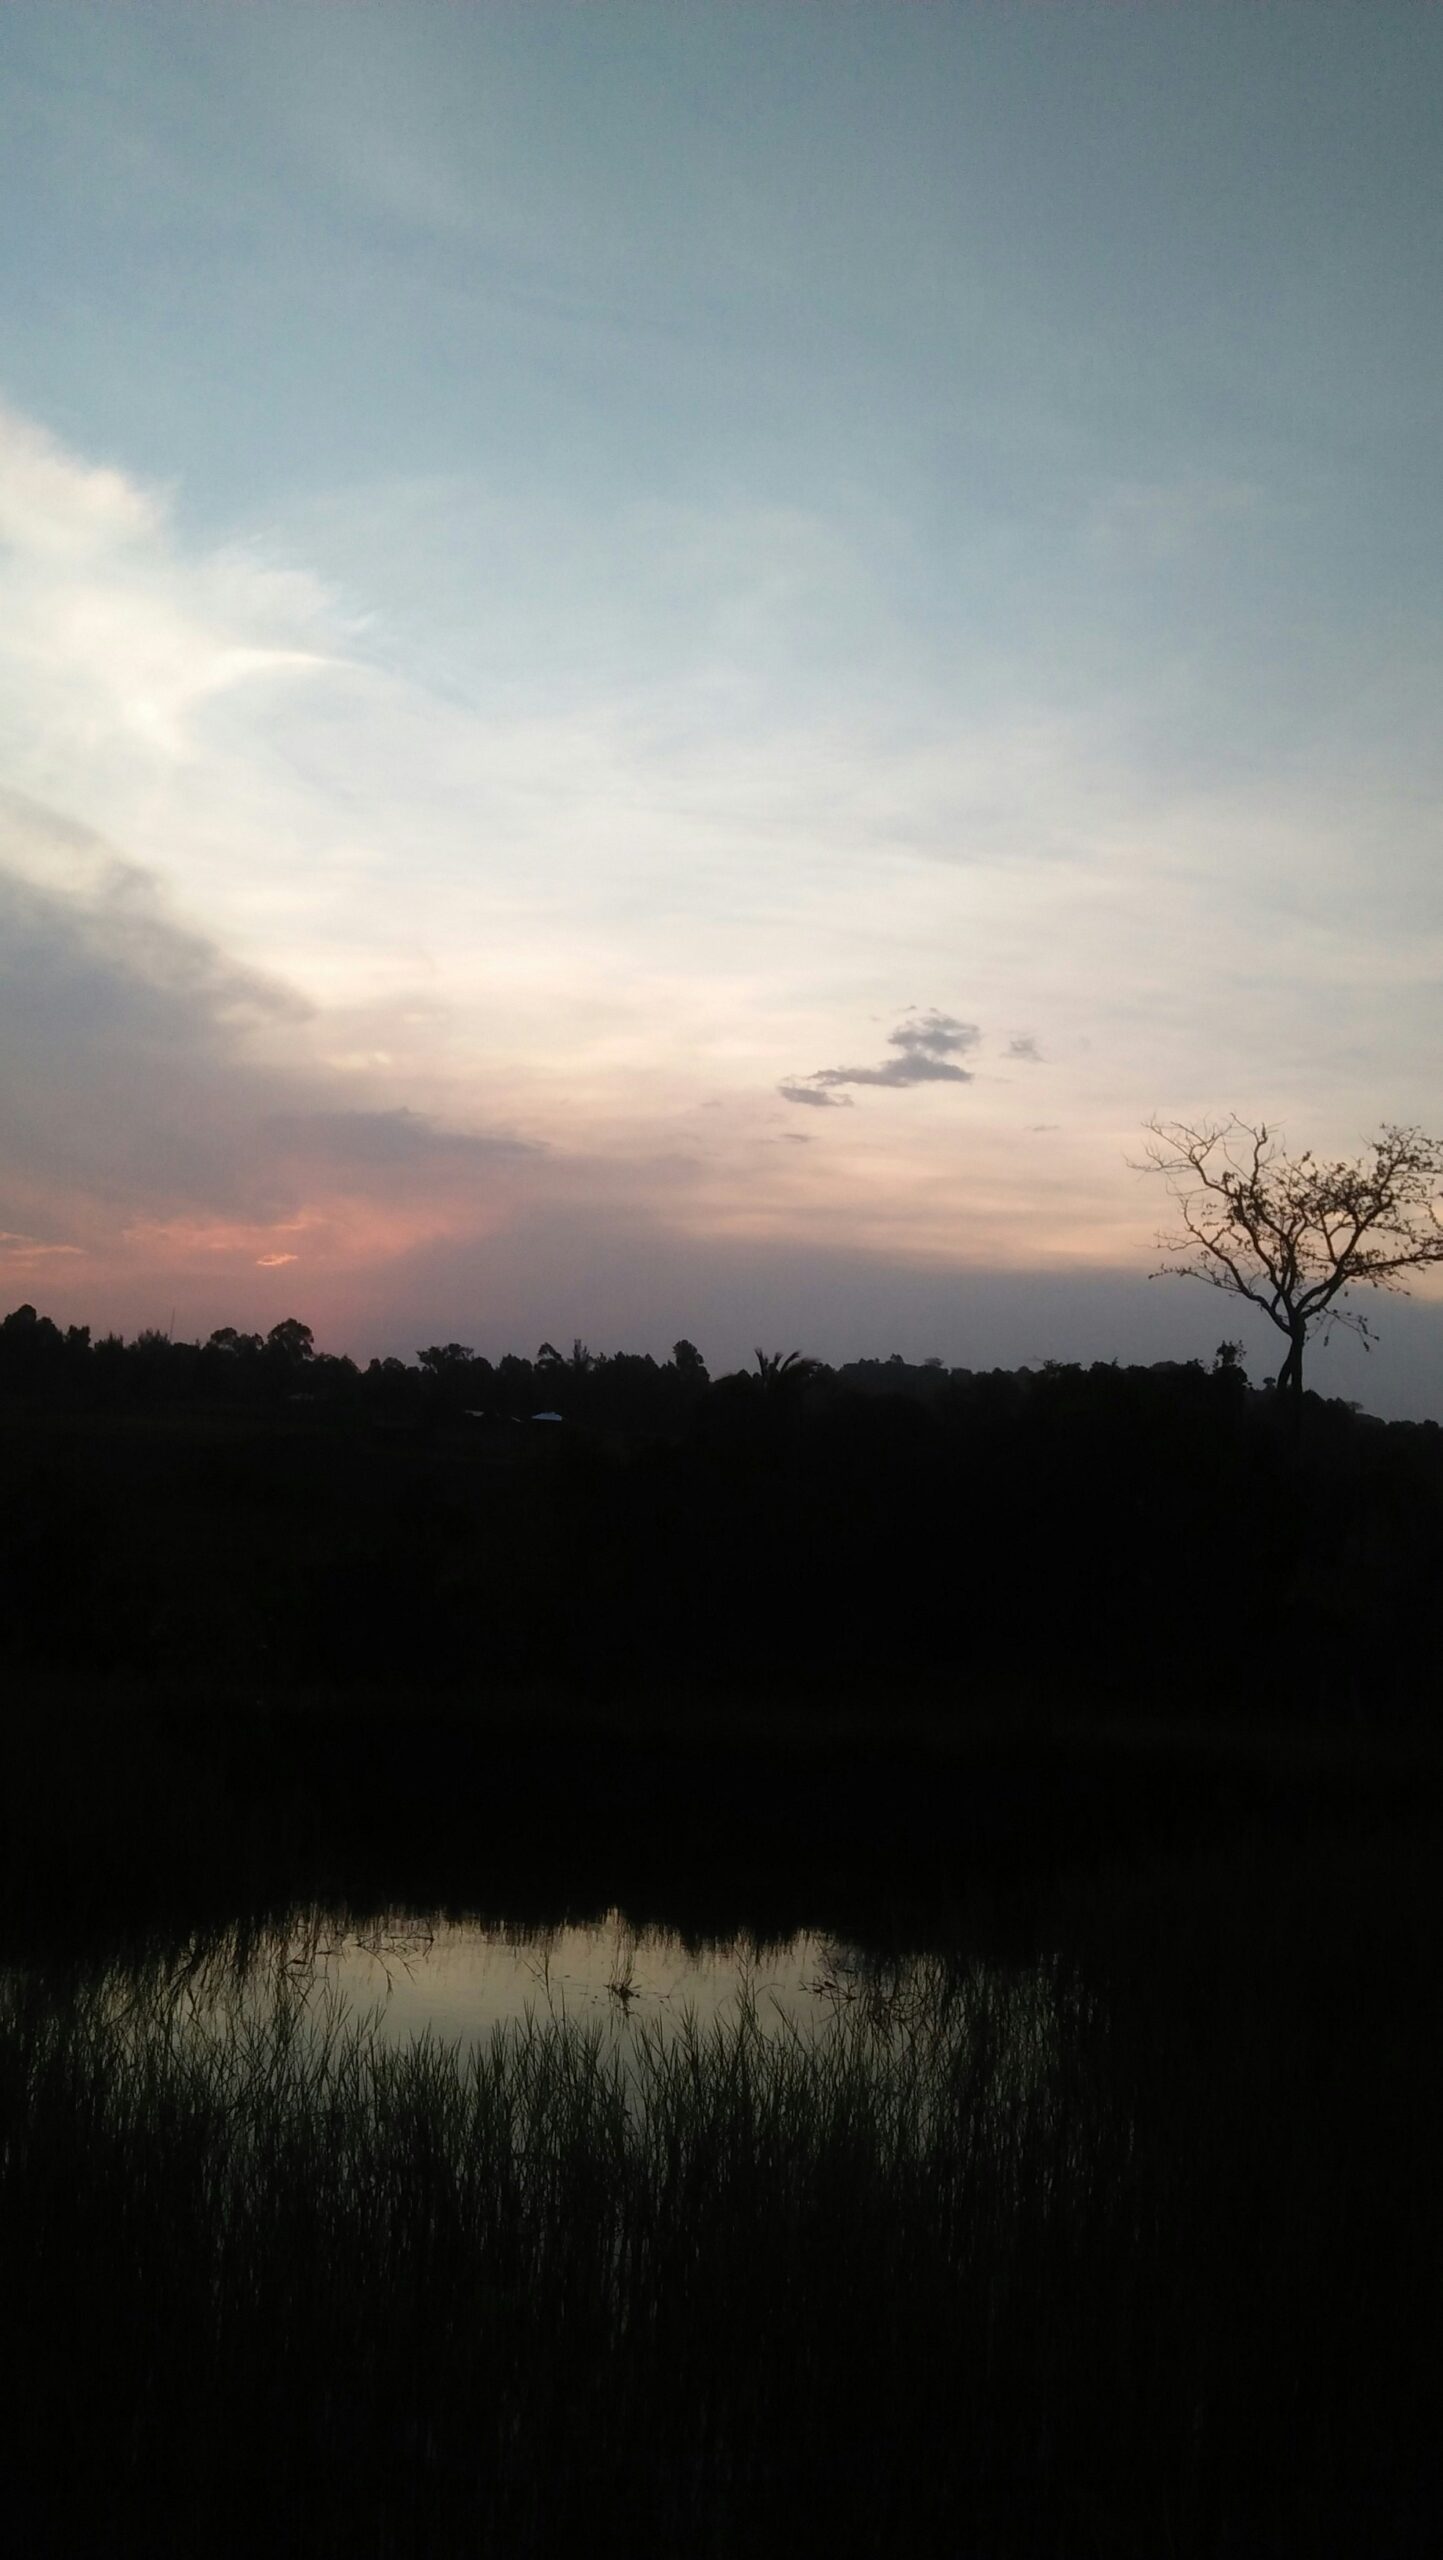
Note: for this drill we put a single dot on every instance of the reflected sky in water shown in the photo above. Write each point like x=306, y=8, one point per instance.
x=458, y=1978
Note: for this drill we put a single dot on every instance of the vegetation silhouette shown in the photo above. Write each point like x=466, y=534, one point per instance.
x=1131, y=2245
x=259, y=1513
x=1106, y=1690
x=1293, y=1235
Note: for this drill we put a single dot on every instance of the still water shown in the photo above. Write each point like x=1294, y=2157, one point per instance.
x=458, y=1979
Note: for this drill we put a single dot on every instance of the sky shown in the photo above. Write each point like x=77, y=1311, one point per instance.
x=663, y=667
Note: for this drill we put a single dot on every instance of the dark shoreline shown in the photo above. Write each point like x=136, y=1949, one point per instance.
x=128, y=1807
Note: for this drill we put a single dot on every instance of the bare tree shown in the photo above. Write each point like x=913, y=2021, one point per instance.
x=1294, y=1234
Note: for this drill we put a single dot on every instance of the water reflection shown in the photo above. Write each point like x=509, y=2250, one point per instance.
x=458, y=1979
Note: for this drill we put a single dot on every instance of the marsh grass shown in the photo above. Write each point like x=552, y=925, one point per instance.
x=1134, y=2251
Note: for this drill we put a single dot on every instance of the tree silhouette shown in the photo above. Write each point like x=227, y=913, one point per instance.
x=291, y=1342
x=779, y=1372
x=1293, y=1234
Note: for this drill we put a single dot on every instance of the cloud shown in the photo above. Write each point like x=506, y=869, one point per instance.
x=53, y=505
x=927, y=1048
x=558, y=849
x=113, y=654
x=1023, y=1045
x=274, y=1261
x=18, y=1248
x=814, y=1095
x=393, y=1141
x=933, y=1035
x=153, y=1088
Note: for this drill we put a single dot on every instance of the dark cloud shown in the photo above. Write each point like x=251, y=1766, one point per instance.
x=915, y=1068
x=1023, y=1045
x=927, y=1045
x=123, y=1074
x=99, y=963
x=385, y=1140
x=814, y=1097
x=932, y=1035
x=145, y=1075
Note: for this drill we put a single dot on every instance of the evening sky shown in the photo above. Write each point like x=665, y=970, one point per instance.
x=661, y=667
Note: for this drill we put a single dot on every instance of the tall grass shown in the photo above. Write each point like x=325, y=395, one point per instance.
x=1067, y=2259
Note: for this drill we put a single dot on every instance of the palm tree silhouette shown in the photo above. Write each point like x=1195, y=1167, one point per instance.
x=779, y=1372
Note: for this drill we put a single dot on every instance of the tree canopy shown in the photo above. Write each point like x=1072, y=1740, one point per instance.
x=1295, y=1234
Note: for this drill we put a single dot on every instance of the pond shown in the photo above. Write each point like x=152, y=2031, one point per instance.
x=457, y=1979
x=1113, y=2198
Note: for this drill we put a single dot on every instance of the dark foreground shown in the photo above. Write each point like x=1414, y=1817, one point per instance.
x=1119, y=2233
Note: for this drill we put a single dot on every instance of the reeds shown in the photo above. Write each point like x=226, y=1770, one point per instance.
x=1020, y=2263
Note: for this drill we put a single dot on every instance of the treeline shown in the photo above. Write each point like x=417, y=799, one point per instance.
x=46, y=1368
x=250, y=1512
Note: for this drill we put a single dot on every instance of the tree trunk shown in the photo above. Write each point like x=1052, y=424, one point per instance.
x=1290, y=1379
